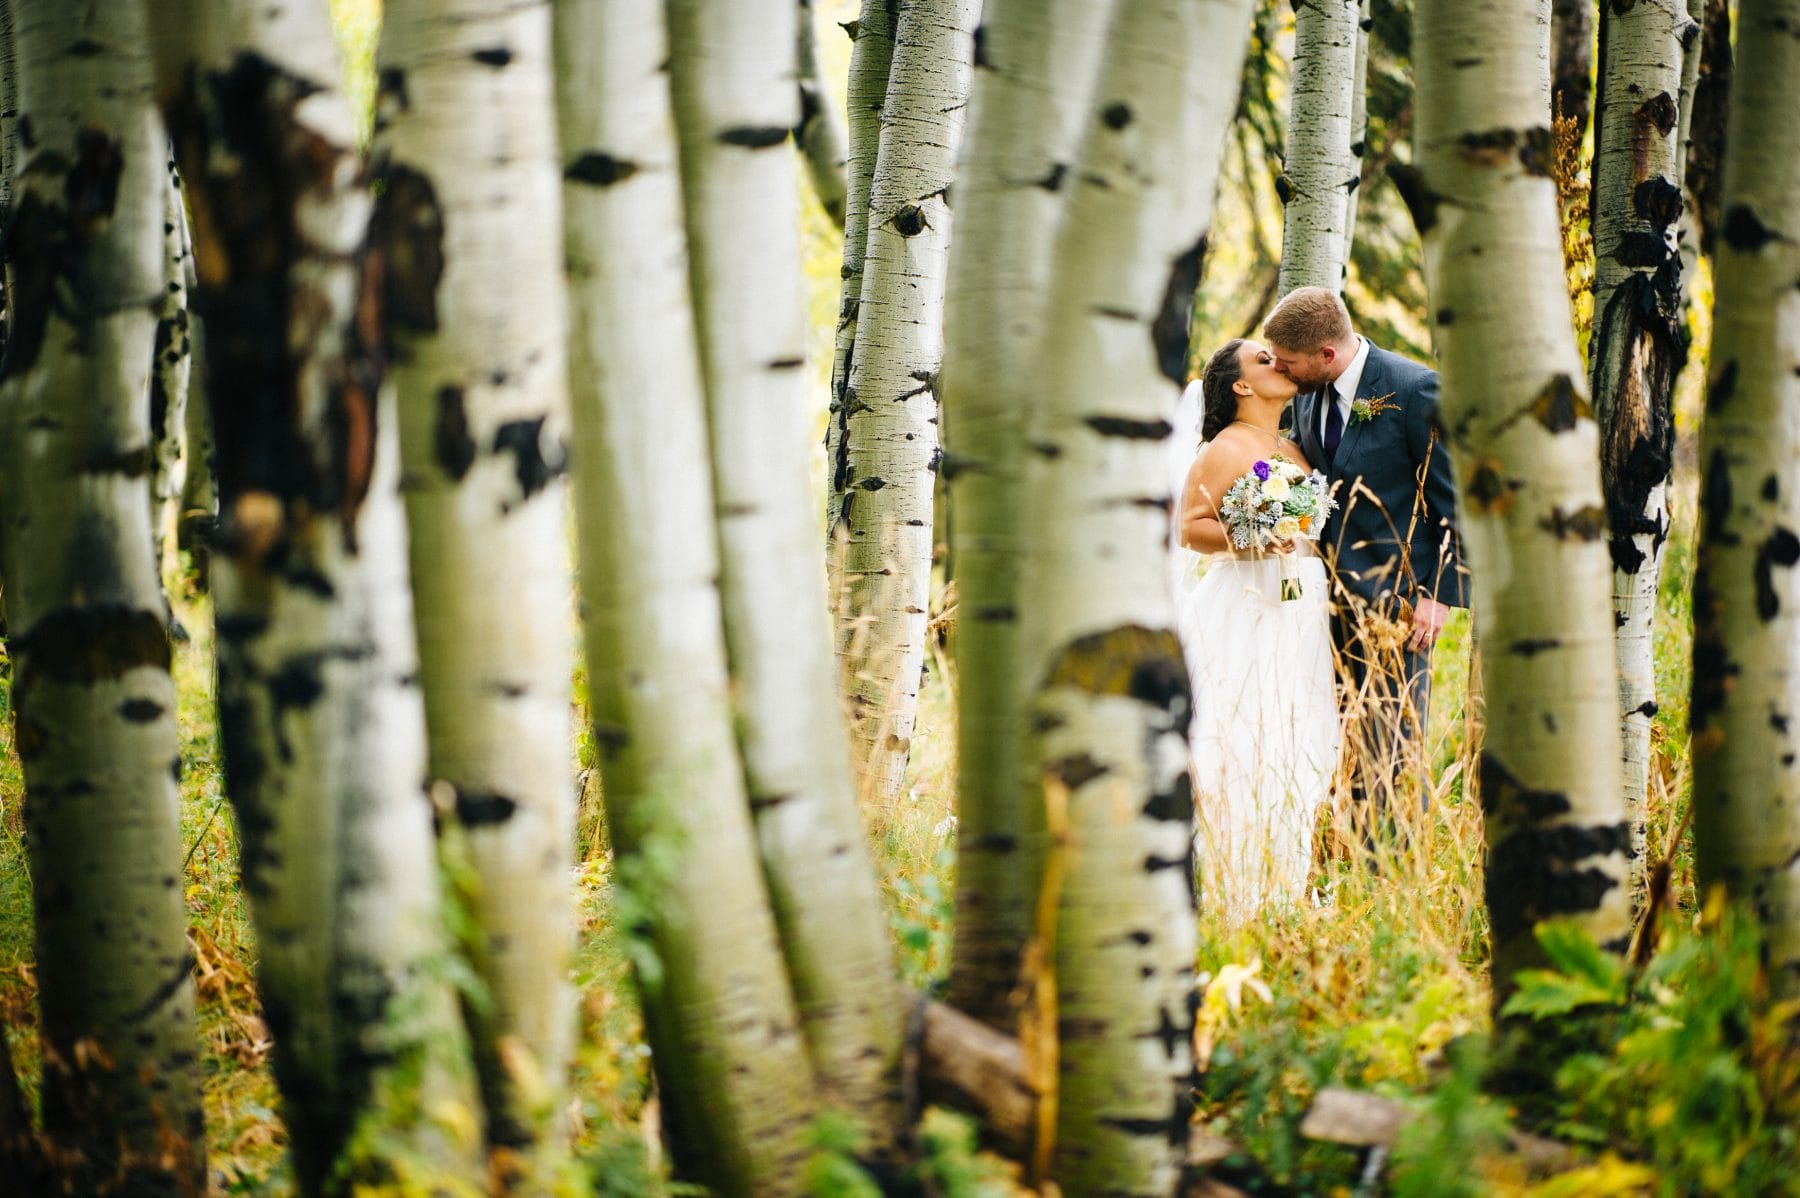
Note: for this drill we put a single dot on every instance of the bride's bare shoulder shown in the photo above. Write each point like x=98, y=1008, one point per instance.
x=1292, y=451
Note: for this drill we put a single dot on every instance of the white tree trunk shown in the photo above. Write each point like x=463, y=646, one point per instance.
x=731, y=77
x=170, y=374
x=871, y=62
x=319, y=711
x=888, y=457
x=94, y=704
x=1319, y=169
x=820, y=134
x=1026, y=115
x=1525, y=446
x=468, y=225
x=1745, y=716
x=1638, y=344
x=1108, y=687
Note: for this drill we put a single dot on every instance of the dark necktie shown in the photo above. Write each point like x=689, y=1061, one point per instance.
x=1334, y=422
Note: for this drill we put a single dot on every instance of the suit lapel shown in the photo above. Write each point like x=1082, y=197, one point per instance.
x=1368, y=387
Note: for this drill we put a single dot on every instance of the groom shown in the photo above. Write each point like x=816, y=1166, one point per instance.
x=1365, y=417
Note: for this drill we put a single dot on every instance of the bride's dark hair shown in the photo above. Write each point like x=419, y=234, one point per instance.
x=1219, y=401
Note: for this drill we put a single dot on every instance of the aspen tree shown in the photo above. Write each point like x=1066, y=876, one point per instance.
x=1319, y=170
x=1526, y=449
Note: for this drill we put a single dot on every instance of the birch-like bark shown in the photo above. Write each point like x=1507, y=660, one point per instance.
x=468, y=226
x=1746, y=695
x=1107, y=687
x=1525, y=445
x=94, y=704
x=888, y=456
x=1572, y=61
x=732, y=89
x=1638, y=345
x=1359, y=121
x=1319, y=170
x=1039, y=64
x=871, y=62
x=820, y=135
x=173, y=367
x=319, y=711
x=659, y=675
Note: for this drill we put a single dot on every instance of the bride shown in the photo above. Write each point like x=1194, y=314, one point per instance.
x=1265, y=730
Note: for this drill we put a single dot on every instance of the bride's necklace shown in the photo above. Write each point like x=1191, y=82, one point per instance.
x=1274, y=438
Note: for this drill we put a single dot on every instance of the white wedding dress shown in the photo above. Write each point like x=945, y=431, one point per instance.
x=1265, y=731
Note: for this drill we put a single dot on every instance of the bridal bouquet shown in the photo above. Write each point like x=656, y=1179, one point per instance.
x=1276, y=501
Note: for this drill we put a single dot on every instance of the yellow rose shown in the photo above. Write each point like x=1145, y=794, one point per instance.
x=1287, y=528
x=1276, y=487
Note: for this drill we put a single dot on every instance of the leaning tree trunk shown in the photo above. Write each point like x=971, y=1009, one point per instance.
x=1572, y=61
x=93, y=700
x=1319, y=169
x=1027, y=113
x=1638, y=345
x=820, y=134
x=1107, y=684
x=888, y=453
x=319, y=711
x=732, y=89
x=467, y=223
x=1745, y=716
x=172, y=369
x=1526, y=447
x=871, y=62
x=198, y=505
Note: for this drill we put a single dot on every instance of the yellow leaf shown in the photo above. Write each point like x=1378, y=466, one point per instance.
x=1609, y=1177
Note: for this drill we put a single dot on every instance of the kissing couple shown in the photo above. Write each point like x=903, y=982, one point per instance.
x=1322, y=501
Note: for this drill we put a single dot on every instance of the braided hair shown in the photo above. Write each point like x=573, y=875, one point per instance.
x=1219, y=401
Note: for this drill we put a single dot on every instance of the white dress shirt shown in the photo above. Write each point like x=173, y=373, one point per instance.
x=1345, y=386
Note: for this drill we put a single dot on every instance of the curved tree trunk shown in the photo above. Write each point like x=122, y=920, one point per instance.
x=889, y=455
x=1746, y=696
x=731, y=81
x=198, y=508
x=871, y=62
x=1572, y=61
x=1319, y=170
x=1638, y=344
x=1027, y=113
x=320, y=716
x=820, y=134
x=94, y=702
x=1525, y=446
x=467, y=224
x=1107, y=685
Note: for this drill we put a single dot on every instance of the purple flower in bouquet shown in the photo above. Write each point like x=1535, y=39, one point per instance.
x=1262, y=471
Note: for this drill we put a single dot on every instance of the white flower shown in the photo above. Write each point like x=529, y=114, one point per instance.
x=1292, y=472
x=1287, y=528
x=1275, y=487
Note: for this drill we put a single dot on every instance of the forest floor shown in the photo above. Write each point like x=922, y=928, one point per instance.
x=1373, y=988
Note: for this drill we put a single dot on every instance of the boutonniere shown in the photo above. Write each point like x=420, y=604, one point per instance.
x=1364, y=410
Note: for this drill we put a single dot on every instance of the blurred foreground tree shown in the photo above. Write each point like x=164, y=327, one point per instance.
x=89, y=632
x=1526, y=450
x=1745, y=715
x=466, y=232
x=319, y=708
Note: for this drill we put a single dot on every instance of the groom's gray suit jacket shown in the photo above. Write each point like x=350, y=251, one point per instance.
x=1394, y=533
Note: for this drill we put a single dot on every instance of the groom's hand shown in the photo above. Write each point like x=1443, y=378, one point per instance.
x=1428, y=620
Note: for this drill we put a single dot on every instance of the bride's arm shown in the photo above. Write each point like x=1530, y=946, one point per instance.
x=1200, y=528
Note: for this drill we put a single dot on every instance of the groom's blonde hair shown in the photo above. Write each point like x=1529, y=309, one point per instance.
x=1307, y=319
